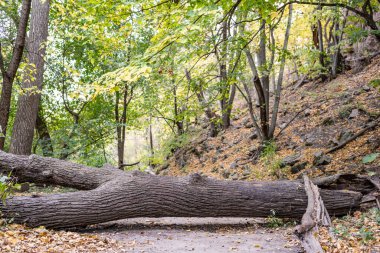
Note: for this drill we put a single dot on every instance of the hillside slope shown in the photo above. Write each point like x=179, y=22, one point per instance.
x=325, y=114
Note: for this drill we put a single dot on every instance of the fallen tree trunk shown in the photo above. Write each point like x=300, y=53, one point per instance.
x=112, y=194
x=316, y=215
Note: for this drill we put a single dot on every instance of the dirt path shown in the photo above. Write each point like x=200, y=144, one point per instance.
x=209, y=235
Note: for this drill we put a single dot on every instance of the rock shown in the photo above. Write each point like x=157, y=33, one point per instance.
x=283, y=125
x=164, y=166
x=306, y=112
x=253, y=136
x=233, y=165
x=321, y=159
x=366, y=88
x=236, y=141
x=226, y=174
x=332, y=143
x=328, y=121
x=215, y=170
x=344, y=135
x=234, y=176
x=298, y=167
x=354, y=113
x=290, y=160
x=309, y=141
x=214, y=159
x=182, y=163
x=247, y=170
x=249, y=125
x=291, y=145
x=374, y=142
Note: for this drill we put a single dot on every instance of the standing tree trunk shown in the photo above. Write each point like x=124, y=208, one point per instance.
x=27, y=109
x=121, y=120
x=262, y=64
x=113, y=194
x=44, y=138
x=321, y=49
x=9, y=74
x=280, y=78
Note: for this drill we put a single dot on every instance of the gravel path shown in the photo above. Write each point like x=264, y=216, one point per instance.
x=211, y=235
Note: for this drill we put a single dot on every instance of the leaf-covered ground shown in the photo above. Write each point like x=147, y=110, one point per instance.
x=351, y=234
x=18, y=238
x=324, y=115
x=359, y=232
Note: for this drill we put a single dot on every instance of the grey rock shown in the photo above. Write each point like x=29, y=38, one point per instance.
x=366, y=88
x=306, y=113
x=226, y=173
x=321, y=159
x=290, y=160
x=374, y=142
x=234, y=176
x=247, y=170
x=354, y=113
x=249, y=125
x=298, y=167
x=309, y=141
x=253, y=136
x=233, y=165
x=344, y=135
x=328, y=121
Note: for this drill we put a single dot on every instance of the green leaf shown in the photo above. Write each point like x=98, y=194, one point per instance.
x=370, y=158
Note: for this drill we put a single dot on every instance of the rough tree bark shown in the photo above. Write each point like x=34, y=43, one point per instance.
x=278, y=89
x=9, y=73
x=27, y=106
x=44, y=139
x=316, y=215
x=113, y=194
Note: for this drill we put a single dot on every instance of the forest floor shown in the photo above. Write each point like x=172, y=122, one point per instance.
x=324, y=114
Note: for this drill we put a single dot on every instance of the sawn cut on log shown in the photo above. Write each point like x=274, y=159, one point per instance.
x=108, y=194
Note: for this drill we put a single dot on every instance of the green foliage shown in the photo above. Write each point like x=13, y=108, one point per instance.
x=271, y=161
x=7, y=185
x=274, y=222
x=370, y=158
x=96, y=48
x=375, y=83
x=169, y=146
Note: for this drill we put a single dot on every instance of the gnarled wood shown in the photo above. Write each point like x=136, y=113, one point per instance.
x=315, y=215
x=113, y=194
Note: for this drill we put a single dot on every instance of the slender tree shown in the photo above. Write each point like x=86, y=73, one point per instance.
x=28, y=102
x=9, y=72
